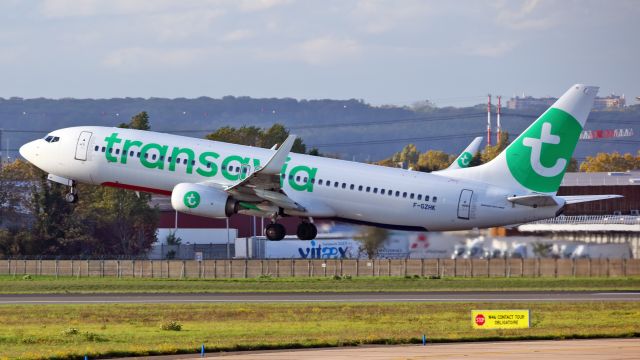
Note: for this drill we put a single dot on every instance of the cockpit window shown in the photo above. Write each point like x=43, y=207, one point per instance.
x=52, y=139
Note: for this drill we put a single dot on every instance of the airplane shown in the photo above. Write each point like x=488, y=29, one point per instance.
x=464, y=159
x=216, y=179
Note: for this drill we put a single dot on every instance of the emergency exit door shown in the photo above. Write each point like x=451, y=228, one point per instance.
x=464, y=204
x=83, y=145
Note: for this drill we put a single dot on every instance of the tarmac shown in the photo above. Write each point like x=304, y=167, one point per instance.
x=592, y=349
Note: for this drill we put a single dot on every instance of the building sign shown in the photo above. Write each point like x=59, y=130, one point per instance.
x=500, y=319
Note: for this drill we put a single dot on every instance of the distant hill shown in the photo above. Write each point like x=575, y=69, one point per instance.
x=350, y=129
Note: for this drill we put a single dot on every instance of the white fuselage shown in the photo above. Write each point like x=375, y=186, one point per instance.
x=327, y=188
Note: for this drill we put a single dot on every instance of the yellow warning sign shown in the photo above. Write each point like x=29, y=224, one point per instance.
x=500, y=319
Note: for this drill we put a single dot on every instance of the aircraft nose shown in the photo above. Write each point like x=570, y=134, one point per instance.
x=29, y=151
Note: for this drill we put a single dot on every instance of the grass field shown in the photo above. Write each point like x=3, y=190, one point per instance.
x=72, y=331
x=49, y=284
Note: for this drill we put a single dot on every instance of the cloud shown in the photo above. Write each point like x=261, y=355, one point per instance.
x=493, y=49
x=380, y=16
x=85, y=8
x=259, y=5
x=525, y=16
x=319, y=51
x=144, y=58
x=237, y=35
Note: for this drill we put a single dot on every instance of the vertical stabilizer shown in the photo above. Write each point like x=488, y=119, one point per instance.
x=537, y=160
x=464, y=159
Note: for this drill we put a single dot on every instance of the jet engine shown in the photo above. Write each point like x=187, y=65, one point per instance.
x=202, y=200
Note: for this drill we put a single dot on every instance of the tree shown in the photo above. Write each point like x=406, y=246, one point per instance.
x=604, y=162
x=408, y=156
x=491, y=151
x=434, y=160
x=254, y=136
x=371, y=238
x=139, y=121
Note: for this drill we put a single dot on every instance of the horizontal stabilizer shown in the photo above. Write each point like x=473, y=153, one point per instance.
x=574, y=199
x=534, y=200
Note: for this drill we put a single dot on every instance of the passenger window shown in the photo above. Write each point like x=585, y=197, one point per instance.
x=352, y=187
x=397, y=193
x=290, y=176
x=146, y=155
x=368, y=188
x=419, y=196
x=193, y=162
x=117, y=151
x=426, y=198
x=404, y=194
x=298, y=178
x=435, y=199
x=110, y=150
x=381, y=191
x=185, y=161
x=96, y=148
x=344, y=185
x=138, y=154
x=161, y=157
x=375, y=190
x=313, y=180
x=103, y=149
x=153, y=157
x=283, y=176
x=328, y=183
x=320, y=182
x=305, y=180
x=360, y=188
x=411, y=196
x=336, y=184
x=208, y=165
x=131, y=153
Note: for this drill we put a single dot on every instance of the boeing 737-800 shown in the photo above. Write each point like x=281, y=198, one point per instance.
x=215, y=179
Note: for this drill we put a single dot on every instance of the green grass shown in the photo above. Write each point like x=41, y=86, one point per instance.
x=71, y=331
x=51, y=285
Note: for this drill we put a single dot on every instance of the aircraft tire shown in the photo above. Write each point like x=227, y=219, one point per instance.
x=275, y=232
x=307, y=231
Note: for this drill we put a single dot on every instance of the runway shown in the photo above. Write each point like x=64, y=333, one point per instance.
x=288, y=297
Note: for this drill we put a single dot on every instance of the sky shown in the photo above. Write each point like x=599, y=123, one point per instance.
x=384, y=52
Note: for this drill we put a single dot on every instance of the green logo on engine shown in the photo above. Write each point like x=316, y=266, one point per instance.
x=191, y=199
x=540, y=156
x=464, y=159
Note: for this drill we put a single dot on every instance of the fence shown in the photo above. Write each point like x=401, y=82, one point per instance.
x=212, y=269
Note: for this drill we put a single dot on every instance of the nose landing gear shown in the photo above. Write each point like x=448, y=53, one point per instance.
x=72, y=195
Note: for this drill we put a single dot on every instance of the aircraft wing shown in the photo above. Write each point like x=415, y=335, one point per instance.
x=264, y=183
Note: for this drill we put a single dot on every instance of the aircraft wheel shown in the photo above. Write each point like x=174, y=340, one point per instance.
x=71, y=198
x=307, y=231
x=275, y=231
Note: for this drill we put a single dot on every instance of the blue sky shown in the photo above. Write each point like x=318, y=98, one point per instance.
x=385, y=52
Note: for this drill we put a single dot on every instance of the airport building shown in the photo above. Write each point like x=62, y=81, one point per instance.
x=529, y=102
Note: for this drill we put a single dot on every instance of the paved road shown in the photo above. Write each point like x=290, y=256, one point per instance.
x=321, y=297
x=566, y=350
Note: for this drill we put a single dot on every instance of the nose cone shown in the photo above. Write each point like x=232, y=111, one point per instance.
x=29, y=151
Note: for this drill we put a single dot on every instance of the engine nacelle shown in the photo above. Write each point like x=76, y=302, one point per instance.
x=202, y=200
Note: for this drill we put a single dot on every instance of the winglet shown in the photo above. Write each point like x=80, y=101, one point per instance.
x=274, y=165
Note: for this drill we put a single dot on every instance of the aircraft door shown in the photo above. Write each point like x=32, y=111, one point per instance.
x=83, y=145
x=464, y=204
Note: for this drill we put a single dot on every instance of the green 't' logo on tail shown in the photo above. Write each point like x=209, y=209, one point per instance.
x=464, y=159
x=539, y=156
x=191, y=199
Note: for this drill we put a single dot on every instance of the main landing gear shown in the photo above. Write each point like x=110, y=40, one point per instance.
x=276, y=231
x=72, y=195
